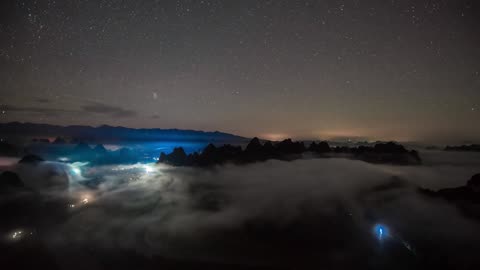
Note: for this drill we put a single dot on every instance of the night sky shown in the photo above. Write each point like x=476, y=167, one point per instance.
x=381, y=69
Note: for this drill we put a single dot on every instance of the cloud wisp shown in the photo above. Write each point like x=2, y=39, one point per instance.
x=95, y=108
x=36, y=110
x=113, y=111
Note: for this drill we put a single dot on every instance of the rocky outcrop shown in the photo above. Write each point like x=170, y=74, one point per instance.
x=31, y=159
x=216, y=155
x=470, y=192
x=254, y=146
x=100, y=149
x=289, y=147
x=474, y=183
x=320, y=148
x=386, y=153
x=466, y=148
x=177, y=158
x=466, y=198
x=10, y=180
x=389, y=152
x=7, y=149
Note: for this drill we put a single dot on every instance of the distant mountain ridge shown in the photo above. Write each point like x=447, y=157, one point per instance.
x=109, y=133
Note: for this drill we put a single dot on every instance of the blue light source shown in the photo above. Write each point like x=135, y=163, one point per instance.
x=380, y=231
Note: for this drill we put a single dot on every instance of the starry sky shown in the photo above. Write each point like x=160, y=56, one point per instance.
x=381, y=69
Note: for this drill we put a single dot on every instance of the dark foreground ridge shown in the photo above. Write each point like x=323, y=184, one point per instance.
x=289, y=150
x=466, y=198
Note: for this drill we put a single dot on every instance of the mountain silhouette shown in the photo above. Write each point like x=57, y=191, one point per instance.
x=288, y=150
x=106, y=133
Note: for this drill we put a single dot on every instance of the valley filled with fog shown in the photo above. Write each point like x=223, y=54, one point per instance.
x=331, y=212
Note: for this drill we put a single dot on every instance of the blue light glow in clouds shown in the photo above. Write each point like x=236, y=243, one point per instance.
x=380, y=231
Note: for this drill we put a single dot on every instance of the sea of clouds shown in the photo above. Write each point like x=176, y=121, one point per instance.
x=274, y=213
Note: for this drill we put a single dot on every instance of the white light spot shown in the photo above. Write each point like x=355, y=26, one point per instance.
x=148, y=169
x=77, y=171
x=17, y=235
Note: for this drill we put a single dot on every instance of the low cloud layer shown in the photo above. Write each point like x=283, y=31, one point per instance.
x=319, y=211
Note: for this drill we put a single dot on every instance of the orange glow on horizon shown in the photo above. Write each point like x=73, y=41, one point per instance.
x=274, y=136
